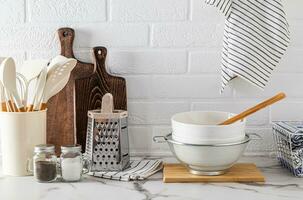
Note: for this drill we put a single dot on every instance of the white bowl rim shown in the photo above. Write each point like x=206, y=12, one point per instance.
x=200, y=140
x=243, y=121
x=169, y=139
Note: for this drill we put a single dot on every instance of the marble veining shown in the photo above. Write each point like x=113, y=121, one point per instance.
x=279, y=185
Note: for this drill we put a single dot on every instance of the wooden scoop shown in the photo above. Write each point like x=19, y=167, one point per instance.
x=254, y=109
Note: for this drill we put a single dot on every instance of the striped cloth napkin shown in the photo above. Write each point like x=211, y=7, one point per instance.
x=292, y=130
x=138, y=170
x=256, y=36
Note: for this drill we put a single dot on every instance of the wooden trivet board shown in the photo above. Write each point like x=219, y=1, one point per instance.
x=241, y=172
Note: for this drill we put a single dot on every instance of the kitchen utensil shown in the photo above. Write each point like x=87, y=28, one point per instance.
x=288, y=137
x=107, y=146
x=206, y=159
x=200, y=127
x=21, y=86
x=67, y=111
x=59, y=59
x=3, y=99
x=20, y=132
x=254, y=109
x=9, y=102
x=6, y=104
x=57, y=78
x=30, y=70
x=8, y=77
x=39, y=90
x=240, y=172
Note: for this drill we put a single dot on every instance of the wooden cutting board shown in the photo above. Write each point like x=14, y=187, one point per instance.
x=241, y=172
x=67, y=111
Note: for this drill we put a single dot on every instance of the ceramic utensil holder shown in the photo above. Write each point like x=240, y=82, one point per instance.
x=20, y=132
x=107, y=146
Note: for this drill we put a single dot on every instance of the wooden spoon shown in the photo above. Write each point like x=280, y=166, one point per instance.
x=254, y=109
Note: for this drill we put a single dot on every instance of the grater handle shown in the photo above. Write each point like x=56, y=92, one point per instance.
x=107, y=103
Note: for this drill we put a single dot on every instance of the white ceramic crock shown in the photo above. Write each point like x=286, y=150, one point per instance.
x=200, y=127
x=20, y=132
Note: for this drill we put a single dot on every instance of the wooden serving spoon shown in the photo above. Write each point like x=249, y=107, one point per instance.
x=254, y=109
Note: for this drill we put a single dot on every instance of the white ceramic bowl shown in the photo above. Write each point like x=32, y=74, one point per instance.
x=206, y=159
x=201, y=127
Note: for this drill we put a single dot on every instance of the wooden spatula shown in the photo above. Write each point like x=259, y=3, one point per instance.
x=254, y=109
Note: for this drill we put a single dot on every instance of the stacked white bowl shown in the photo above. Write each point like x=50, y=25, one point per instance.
x=201, y=127
x=204, y=146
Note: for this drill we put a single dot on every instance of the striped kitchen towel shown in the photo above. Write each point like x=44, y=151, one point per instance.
x=256, y=36
x=138, y=170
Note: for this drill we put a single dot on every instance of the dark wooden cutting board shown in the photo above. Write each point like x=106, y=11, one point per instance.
x=67, y=111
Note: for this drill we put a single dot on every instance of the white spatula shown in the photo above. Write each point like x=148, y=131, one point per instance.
x=57, y=78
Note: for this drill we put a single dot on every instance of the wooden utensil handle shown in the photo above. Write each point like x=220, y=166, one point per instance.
x=43, y=106
x=22, y=109
x=30, y=108
x=254, y=109
x=12, y=106
x=3, y=107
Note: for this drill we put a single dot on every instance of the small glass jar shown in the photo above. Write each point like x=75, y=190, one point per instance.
x=45, y=163
x=71, y=163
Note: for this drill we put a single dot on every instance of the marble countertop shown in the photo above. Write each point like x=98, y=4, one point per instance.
x=279, y=185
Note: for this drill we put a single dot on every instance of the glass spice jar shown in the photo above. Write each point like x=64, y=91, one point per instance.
x=72, y=163
x=45, y=163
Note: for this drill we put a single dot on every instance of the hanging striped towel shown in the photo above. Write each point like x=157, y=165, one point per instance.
x=138, y=170
x=256, y=36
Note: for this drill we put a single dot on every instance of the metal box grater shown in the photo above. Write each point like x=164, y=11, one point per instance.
x=107, y=146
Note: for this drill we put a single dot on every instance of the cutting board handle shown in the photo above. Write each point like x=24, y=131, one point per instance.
x=99, y=54
x=66, y=37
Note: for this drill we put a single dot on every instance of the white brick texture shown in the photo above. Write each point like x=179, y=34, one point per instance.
x=24, y=37
x=187, y=34
x=149, y=10
x=142, y=113
x=205, y=61
x=12, y=12
x=67, y=11
x=202, y=12
x=112, y=35
x=147, y=62
x=293, y=9
x=188, y=87
x=169, y=51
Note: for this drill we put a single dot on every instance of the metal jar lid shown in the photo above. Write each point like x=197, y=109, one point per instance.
x=50, y=148
x=71, y=148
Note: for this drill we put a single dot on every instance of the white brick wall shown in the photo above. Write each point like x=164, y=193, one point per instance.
x=169, y=52
x=149, y=10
